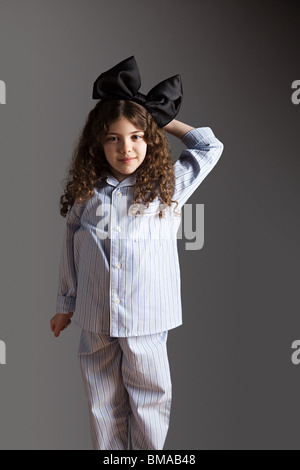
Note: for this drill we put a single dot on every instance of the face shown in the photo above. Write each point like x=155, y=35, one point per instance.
x=124, y=147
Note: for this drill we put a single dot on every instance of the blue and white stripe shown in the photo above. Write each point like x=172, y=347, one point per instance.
x=120, y=273
x=128, y=385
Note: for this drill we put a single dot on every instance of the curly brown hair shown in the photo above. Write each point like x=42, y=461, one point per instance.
x=154, y=177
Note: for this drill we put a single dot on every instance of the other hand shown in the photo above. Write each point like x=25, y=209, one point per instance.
x=60, y=322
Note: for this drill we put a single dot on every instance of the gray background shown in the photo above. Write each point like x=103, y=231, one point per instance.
x=234, y=384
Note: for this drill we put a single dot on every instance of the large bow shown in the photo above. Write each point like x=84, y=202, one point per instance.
x=123, y=82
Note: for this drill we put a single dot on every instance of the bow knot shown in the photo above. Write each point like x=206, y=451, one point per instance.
x=140, y=98
x=123, y=82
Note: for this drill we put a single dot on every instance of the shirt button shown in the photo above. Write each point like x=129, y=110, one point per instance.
x=119, y=265
x=118, y=301
x=119, y=193
x=118, y=229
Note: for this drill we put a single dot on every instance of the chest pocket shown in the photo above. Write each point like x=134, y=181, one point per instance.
x=141, y=210
x=154, y=209
x=145, y=223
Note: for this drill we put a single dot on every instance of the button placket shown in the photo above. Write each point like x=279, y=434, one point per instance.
x=119, y=223
x=114, y=243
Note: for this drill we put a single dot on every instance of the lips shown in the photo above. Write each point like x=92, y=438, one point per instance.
x=127, y=160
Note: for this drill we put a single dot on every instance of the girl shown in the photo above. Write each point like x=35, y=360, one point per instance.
x=119, y=272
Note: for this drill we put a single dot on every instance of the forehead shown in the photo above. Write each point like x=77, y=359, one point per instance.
x=123, y=126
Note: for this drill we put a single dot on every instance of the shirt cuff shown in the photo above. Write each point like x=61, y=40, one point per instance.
x=65, y=304
x=199, y=135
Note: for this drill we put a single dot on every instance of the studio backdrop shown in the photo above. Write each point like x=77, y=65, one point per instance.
x=234, y=361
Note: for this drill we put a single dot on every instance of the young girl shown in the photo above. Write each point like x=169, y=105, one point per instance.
x=119, y=272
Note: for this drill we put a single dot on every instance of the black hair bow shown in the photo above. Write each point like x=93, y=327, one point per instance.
x=123, y=82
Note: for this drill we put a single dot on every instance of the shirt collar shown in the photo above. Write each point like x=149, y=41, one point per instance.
x=129, y=181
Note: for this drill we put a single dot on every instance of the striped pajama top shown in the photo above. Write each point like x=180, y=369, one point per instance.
x=119, y=268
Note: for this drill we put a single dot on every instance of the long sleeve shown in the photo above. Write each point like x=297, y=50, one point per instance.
x=195, y=162
x=67, y=280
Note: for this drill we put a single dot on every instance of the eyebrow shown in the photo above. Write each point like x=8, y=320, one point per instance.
x=115, y=133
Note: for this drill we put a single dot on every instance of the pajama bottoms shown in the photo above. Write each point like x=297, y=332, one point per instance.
x=128, y=386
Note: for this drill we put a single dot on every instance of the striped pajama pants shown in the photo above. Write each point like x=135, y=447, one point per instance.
x=128, y=385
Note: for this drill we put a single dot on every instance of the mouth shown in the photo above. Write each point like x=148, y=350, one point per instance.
x=127, y=160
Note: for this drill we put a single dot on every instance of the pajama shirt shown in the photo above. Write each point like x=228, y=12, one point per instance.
x=120, y=275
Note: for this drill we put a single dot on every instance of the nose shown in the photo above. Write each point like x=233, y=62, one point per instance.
x=125, y=146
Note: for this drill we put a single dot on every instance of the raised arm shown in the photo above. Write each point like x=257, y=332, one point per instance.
x=177, y=128
x=196, y=161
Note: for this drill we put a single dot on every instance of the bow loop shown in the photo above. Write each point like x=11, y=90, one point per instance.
x=164, y=100
x=123, y=82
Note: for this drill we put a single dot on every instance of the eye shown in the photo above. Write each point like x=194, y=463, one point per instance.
x=137, y=137
x=112, y=139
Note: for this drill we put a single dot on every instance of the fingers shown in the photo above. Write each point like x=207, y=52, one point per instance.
x=57, y=329
x=52, y=324
x=58, y=323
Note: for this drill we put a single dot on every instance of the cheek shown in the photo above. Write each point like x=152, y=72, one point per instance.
x=108, y=152
x=143, y=150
